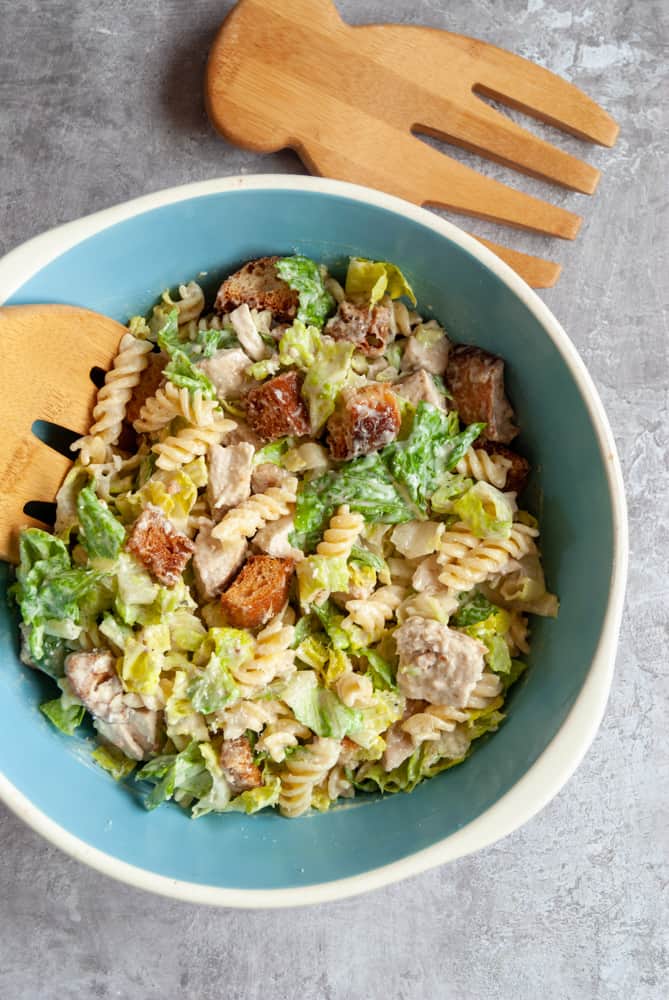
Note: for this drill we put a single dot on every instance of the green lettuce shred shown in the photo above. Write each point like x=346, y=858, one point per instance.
x=376, y=278
x=306, y=278
x=99, y=532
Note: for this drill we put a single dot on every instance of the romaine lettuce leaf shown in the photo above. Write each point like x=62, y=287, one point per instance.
x=255, y=799
x=113, y=760
x=306, y=278
x=299, y=345
x=273, y=452
x=172, y=773
x=485, y=511
x=363, y=483
x=325, y=379
x=182, y=372
x=518, y=667
x=374, y=279
x=473, y=609
x=381, y=671
x=215, y=687
x=64, y=717
x=99, y=531
x=451, y=486
x=318, y=708
x=217, y=795
x=320, y=576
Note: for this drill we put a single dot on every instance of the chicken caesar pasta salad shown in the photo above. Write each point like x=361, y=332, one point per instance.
x=289, y=562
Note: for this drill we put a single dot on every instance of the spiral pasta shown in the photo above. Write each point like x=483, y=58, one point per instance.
x=478, y=464
x=190, y=302
x=281, y=735
x=302, y=771
x=246, y=714
x=456, y=543
x=338, y=785
x=487, y=558
x=340, y=537
x=273, y=655
x=372, y=614
x=180, y=448
x=112, y=400
x=169, y=402
x=252, y=514
x=355, y=690
x=487, y=689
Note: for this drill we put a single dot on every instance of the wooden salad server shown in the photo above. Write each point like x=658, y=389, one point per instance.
x=291, y=73
x=49, y=354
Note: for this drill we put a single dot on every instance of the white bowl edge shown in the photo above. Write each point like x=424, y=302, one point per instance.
x=561, y=757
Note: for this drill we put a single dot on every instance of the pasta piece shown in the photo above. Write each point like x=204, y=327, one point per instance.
x=280, y=736
x=169, y=402
x=112, y=400
x=252, y=514
x=273, y=657
x=306, y=457
x=401, y=570
x=253, y=715
x=477, y=464
x=437, y=605
x=338, y=785
x=372, y=614
x=487, y=558
x=455, y=543
x=189, y=443
x=303, y=771
x=434, y=720
x=335, y=289
x=341, y=535
x=190, y=302
x=355, y=690
x=486, y=691
x=401, y=318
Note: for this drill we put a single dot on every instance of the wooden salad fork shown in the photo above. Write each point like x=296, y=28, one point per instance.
x=49, y=354
x=291, y=73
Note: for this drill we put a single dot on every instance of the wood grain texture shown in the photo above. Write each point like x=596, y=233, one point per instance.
x=351, y=101
x=48, y=353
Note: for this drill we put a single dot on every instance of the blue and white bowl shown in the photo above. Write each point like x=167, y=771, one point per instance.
x=116, y=262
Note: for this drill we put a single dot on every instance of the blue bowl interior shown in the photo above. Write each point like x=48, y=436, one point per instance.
x=120, y=271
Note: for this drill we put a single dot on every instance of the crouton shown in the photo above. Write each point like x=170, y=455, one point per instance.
x=276, y=407
x=149, y=381
x=258, y=285
x=214, y=564
x=226, y=370
x=238, y=765
x=369, y=329
x=420, y=387
x=365, y=419
x=259, y=592
x=475, y=379
x=519, y=470
x=159, y=546
x=229, y=468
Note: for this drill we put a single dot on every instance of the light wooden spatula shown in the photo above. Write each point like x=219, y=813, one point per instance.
x=48, y=354
x=291, y=73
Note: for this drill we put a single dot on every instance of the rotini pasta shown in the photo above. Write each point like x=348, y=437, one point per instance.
x=341, y=535
x=302, y=771
x=246, y=519
x=479, y=465
x=355, y=690
x=169, y=402
x=371, y=615
x=487, y=558
x=281, y=735
x=189, y=442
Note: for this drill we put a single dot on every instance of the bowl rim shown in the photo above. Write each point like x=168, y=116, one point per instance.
x=561, y=757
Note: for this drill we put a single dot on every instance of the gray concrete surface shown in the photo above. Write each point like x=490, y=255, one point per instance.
x=101, y=102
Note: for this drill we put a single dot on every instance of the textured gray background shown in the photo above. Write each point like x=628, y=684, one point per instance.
x=101, y=102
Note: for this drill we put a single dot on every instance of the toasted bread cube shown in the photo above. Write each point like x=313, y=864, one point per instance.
x=276, y=408
x=366, y=419
x=259, y=592
x=258, y=285
x=159, y=546
x=475, y=379
x=368, y=328
x=519, y=470
x=238, y=765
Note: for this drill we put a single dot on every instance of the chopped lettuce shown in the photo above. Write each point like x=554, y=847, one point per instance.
x=143, y=659
x=170, y=774
x=325, y=379
x=306, y=278
x=99, y=531
x=363, y=483
x=498, y=658
x=182, y=372
x=485, y=511
x=273, y=452
x=318, y=708
x=215, y=687
x=312, y=652
x=164, y=327
x=65, y=717
x=451, y=486
x=255, y=799
x=217, y=794
x=368, y=558
x=420, y=460
x=374, y=279
x=380, y=670
x=518, y=667
x=473, y=609
x=331, y=619
x=115, y=761
x=299, y=345
x=261, y=370
x=320, y=576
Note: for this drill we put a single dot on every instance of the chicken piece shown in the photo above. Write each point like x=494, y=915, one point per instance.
x=519, y=470
x=149, y=381
x=93, y=678
x=238, y=765
x=242, y=434
x=437, y=663
x=259, y=592
x=365, y=419
x=426, y=575
x=247, y=335
x=475, y=379
x=428, y=348
x=369, y=329
x=420, y=388
x=226, y=370
x=276, y=408
x=399, y=745
x=266, y=475
x=215, y=564
x=159, y=546
x=258, y=285
x=229, y=469
x=273, y=539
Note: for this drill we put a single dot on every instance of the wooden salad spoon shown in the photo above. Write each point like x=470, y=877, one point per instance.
x=50, y=353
